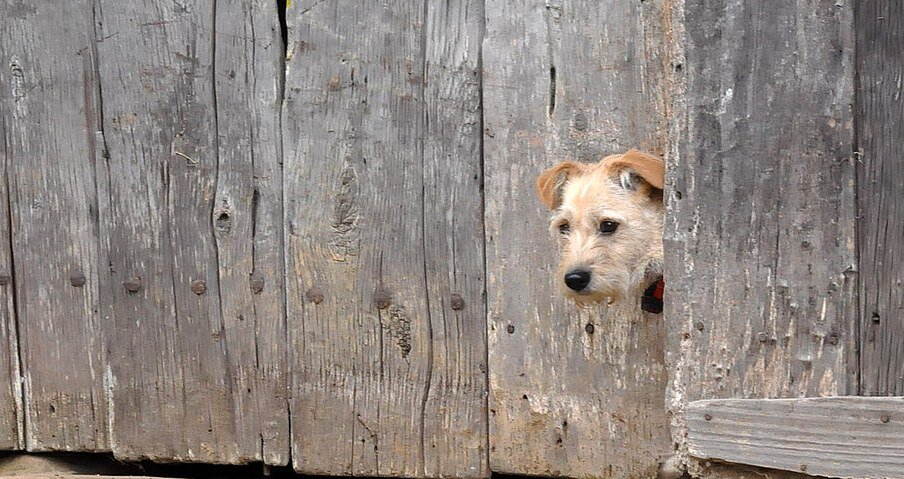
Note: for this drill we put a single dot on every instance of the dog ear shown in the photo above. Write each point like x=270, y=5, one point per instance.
x=551, y=182
x=637, y=163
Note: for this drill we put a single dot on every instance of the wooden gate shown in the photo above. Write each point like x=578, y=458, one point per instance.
x=239, y=231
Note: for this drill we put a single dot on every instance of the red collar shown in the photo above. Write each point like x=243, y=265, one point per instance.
x=652, y=297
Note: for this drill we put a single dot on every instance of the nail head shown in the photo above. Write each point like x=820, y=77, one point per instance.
x=199, y=287
x=510, y=329
x=589, y=328
x=314, y=295
x=77, y=279
x=457, y=302
x=133, y=284
x=257, y=283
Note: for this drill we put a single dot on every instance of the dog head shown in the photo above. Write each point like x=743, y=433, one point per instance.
x=607, y=218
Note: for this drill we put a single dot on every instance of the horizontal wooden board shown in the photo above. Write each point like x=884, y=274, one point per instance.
x=835, y=436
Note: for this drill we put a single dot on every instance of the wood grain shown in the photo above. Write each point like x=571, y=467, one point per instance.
x=852, y=437
x=383, y=211
x=195, y=374
x=759, y=238
x=880, y=173
x=247, y=218
x=49, y=113
x=572, y=393
x=11, y=413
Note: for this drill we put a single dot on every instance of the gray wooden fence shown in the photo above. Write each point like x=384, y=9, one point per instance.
x=229, y=235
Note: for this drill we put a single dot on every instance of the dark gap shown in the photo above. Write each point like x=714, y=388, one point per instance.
x=552, y=90
x=283, y=26
x=857, y=382
x=11, y=284
x=255, y=201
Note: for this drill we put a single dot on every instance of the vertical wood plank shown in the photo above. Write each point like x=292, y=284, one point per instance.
x=573, y=393
x=384, y=249
x=455, y=411
x=50, y=115
x=192, y=378
x=247, y=220
x=759, y=238
x=12, y=435
x=880, y=173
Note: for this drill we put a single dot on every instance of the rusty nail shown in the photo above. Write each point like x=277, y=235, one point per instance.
x=457, y=302
x=589, y=328
x=885, y=418
x=133, y=284
x=314, y=295
x=762, y=336
x=4, y=279
x=77, y=278
x=257, y=283
x=707, y=417
x=833, y=339
x=699, y=325
x=199, y=286
x=803, y=468
x=382, y=298
x=510, y=328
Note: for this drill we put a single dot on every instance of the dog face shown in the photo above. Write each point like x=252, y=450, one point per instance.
x=607, y=220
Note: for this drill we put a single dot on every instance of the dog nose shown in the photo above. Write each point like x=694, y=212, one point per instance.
x=577, y=279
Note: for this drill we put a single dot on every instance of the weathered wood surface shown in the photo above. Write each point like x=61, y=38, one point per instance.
x=572, y=393
x=49, y=114
x=11, y=413
x=880, y=116
x=192, y=219
x=384, y=238
x=248, y=221
x=759, y=235
x=852, y=437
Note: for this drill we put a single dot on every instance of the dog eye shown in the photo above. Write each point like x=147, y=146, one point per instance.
x=564, y=228
x=608, y=227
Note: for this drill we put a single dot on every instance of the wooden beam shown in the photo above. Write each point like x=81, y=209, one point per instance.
x=834, y=436
x=880, y=172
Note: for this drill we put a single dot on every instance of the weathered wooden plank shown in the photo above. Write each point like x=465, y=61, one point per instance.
x=11, y=414
x=880, y=172
x=383, y=210
x=248, y=221
x=187, y=332
x=50, y=115
x=455, y=411
x=759, y=236
x=836, y=437
x=573, y=393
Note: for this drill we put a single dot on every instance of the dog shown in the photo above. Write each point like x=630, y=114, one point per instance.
x=607, y=220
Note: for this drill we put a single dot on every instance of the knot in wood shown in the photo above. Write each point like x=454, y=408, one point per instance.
x=199, y=286
x=457, y=302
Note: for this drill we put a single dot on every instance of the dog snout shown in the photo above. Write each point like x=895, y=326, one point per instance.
x=577, y=279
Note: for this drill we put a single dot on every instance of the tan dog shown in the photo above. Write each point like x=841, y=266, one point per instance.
x=608, y=220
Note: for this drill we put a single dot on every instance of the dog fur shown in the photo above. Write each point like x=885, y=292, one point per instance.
x=624, y=189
